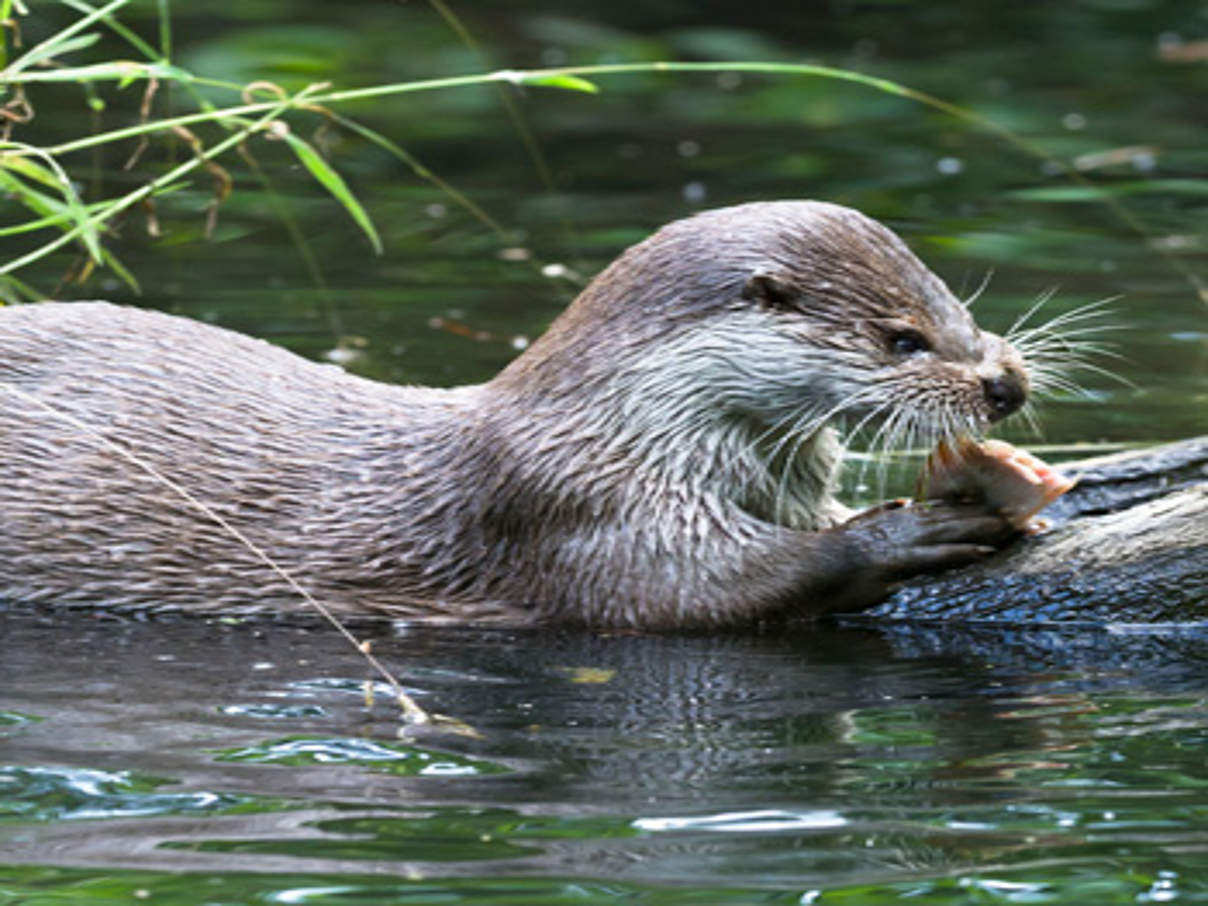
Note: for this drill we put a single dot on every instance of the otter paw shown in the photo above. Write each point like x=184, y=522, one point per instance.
x=900, y=539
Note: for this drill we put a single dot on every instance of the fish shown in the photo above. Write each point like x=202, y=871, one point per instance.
x=1009, y=479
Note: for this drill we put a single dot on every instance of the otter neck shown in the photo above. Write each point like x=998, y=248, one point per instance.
x=641, y=429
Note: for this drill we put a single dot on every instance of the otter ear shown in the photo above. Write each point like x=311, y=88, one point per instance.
x=770, y=289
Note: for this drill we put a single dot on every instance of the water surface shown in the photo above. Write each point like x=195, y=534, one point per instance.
x=210, y=763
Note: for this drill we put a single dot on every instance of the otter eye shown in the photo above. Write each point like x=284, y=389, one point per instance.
x=908, y=342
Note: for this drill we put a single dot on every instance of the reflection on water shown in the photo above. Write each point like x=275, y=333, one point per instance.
x=753, y=768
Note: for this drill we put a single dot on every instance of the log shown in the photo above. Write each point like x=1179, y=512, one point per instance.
x=1129, y=544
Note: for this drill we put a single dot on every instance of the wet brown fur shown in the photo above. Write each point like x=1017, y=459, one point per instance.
x=636, y=466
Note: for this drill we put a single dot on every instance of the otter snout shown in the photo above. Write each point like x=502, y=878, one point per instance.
x=1005, y=394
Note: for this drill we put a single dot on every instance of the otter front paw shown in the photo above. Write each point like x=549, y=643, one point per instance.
x=900, y=539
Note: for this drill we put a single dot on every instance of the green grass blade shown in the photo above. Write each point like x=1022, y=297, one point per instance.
x=322, y=171
x=50, y=46
x=507, y=98
x=43, y=52
x=1098, y=194
x=565, y=76
x=124, y=71
x=569, y=82
x=71, y=207
x=36, y=201
x=30, y=169
x=31, y=226
x=138, y=43
x=112, y=208
x=13, y=290
x=6, y=15
x=111, y=261
x=424, y=173
x=163, y=8
x=52, y=220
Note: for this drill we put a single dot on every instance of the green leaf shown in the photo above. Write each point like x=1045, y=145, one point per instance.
x=1098, y=193
x=71, y=209
x=30, y=169
x=32, y=226
x=112, y=262
x=569, y=82
x=13, y=290
x=46, y=51
x=55, y=44
x=422, y=171
x=334, y=183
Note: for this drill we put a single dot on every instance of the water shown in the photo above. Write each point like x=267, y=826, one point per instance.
x=932, y=767
x=205, y=762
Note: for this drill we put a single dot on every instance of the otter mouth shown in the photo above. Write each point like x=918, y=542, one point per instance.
x=922, y=418
x=887, y=428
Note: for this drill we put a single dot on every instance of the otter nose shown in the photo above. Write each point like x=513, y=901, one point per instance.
x=1005, y=394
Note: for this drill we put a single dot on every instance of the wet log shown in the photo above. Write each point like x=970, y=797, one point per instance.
x=1129, y=544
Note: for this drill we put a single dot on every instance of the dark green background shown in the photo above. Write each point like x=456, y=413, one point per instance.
x=1071, y=79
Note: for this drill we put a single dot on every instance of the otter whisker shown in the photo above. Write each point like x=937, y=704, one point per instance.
x=795, y=437
x=1070, y=338
x=1068, y=356
x=799, y=435
x=941, y=425
x=1085, y=316
x=1066, y=344
x=1096, y=309
x=874, y=414
x=1082, y=321
x=1047, y=384
x=1073, y=362
x=873, y=459
x=944, y=422
x=1107, y=373
x=1053, y=368
x=869, y=459
x=1050, y=374
x=779, y=505
x=805, y=422
x=900, y=437
x=887, y=436
x=964, y=424
x=794, y=417
x=852, y=401
x=1042, y=344
x=1028, y=414
x=981, y=288
x=1040, y=302
x=796, y=426
x=1082, y=315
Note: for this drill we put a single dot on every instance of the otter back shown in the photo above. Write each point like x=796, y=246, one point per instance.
x=662, y=457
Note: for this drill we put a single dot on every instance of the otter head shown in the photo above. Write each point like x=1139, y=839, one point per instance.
x=797, y=313
x=894, y=343
x=750, y=328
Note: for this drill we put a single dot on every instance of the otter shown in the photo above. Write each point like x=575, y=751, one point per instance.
x=664, y=456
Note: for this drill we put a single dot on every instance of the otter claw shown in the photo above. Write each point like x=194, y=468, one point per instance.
x=939, y=557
